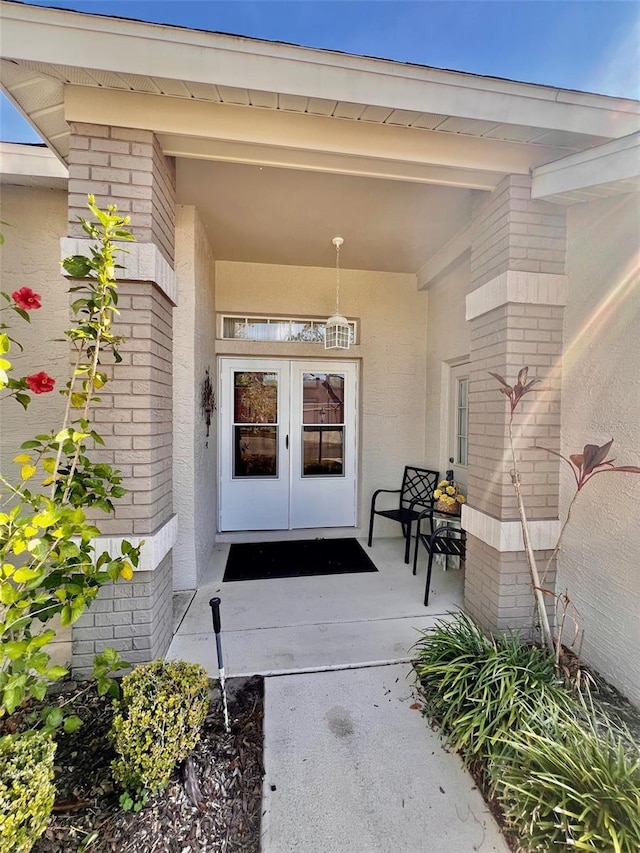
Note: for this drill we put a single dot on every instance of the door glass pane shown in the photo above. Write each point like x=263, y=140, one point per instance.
x=323, y=398
x=255, y=397
x=255, y=451
x=322, y=451
x=255, y=447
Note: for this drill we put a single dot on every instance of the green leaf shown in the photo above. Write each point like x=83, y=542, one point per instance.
x=11, y=698
x=25, y=574
x=8, y=593
x=54, y=718
x=56, y=672
x=14, y=649
x=39, y=689
x=77, y=266
x=43, y=638
x=72, y=724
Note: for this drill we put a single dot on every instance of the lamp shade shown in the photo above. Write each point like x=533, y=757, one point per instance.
x=337, y=334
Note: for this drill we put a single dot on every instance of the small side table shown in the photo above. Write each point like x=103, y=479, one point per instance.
x=439, y=519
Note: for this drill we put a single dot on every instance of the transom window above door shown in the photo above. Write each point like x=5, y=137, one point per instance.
x=304, y=330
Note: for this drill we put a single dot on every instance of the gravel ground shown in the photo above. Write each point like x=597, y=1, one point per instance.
x=228, y=772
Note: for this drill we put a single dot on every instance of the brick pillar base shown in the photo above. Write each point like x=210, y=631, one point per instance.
x=498, y=593
x=132, y=617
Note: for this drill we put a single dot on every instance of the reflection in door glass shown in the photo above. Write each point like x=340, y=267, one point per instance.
x=323, y=398
x=255, y=451
x=255, y=447
x=323, y=424
x=323, y=451
x=255, y=397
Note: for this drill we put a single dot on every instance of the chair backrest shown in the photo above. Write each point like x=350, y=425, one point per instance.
x=418, y=484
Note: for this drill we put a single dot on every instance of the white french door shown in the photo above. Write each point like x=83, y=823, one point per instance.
x=288, y=442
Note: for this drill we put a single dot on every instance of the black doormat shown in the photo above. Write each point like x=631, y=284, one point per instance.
x=304, y=558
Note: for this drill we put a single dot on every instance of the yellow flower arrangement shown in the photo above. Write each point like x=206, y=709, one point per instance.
x=449, y=495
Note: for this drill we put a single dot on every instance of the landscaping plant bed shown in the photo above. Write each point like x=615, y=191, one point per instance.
x=228, y=767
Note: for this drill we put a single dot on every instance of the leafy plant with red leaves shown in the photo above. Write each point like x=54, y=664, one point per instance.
x=593, y=460
x=516, y=392
x=584, y=466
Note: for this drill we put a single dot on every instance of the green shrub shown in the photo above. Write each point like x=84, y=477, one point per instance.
x=575, y=787
x=26, y=790
x=157, y=722
x=481, y=688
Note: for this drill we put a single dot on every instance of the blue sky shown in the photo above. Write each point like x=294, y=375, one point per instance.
x=591, y=45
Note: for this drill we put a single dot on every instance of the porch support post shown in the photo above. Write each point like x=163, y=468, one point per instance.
x=515, y=309
x=127, y=168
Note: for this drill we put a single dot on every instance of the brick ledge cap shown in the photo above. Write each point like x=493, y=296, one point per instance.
x=533, y=288
x=142, y=262
x=506, y=536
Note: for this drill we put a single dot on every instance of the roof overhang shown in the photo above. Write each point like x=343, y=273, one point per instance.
x=31, y=166
x=48, y=52
x=610, y=169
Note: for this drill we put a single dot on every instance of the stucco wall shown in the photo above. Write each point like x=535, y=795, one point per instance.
x=194, y=454
x=601, y=399
x=392, y=315
x=30, y=257
x=447, y=344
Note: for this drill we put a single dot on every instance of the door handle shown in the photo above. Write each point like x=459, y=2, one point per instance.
x=286, y=442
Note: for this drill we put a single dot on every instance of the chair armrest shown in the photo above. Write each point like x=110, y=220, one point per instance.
x=420, y=502
x=427, y=513
x=380, y=491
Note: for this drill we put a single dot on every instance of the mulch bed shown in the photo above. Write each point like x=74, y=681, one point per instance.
x=228, y=768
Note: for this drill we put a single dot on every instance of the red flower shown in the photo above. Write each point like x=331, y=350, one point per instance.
x=40, y=383
x=26, y=299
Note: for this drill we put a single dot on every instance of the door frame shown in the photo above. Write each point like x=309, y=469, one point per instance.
x=316, y=365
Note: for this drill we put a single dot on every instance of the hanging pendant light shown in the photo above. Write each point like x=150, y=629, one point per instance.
x=337, y=334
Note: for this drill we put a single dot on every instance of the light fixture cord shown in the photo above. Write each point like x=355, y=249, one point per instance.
x=337, y=279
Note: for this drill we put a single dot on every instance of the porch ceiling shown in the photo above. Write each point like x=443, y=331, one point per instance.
x=285, y=216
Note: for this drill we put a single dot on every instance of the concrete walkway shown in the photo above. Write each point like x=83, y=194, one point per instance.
x=313, y=623
x=350, y=767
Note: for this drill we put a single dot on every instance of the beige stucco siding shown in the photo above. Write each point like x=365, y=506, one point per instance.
x=30, y=257
x=600, y=559
x=392, y=316
x=447, y=344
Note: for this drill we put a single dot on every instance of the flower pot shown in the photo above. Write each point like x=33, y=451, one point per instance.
x=449, y=509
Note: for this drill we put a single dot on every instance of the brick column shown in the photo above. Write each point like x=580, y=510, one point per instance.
x=515, y=309
x=127, y=168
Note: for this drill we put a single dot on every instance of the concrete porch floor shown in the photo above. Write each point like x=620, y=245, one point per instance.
x=314, y=623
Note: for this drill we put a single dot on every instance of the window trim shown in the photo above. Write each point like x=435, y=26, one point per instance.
x=458, y=373
x=274, y=318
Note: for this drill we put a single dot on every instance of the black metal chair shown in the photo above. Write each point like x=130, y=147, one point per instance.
x=416, y=495
x=447, y=540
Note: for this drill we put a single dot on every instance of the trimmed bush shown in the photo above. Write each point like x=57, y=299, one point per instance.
x=26, y=790
x=157, y=723
x=576, y=788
